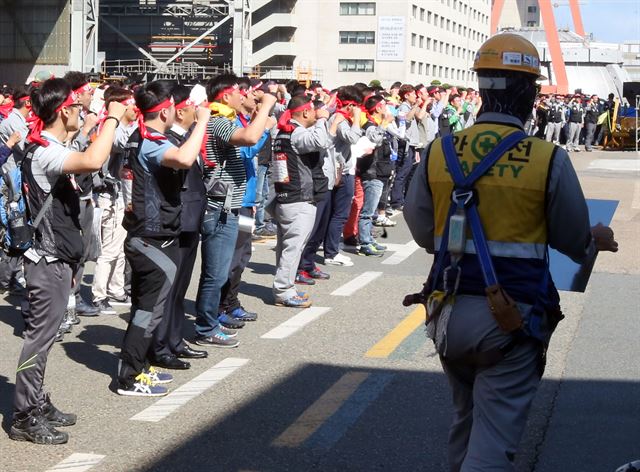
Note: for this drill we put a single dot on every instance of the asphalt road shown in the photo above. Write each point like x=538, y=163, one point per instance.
x=352, y=384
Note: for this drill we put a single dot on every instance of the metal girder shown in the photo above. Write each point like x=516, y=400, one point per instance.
x=192, y=43
x=130, y=41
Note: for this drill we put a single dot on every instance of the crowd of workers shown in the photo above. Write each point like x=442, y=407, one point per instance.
x=137, y=177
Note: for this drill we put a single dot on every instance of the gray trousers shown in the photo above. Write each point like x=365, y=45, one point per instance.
x=48, y=285
x=589, y=133
x=295, y=223
x=490, y=404
x=573, y=140
x=553, y=132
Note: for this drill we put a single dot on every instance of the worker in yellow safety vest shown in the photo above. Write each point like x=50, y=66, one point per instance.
x=489, y=201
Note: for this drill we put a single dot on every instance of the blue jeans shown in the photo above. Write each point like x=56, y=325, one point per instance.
x=372, y=192
x=219, y=233
x=262, y=193
x=406, y=157
x=340, y=209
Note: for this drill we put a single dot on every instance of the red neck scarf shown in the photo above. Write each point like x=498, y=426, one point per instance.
x=6, y=109
x=37, y=125
x=284, y=123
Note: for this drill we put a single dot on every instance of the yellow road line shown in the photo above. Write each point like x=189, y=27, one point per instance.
x=391, y=341
x=313, y=417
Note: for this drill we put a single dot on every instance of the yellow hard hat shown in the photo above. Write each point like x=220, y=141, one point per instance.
x=508, y=51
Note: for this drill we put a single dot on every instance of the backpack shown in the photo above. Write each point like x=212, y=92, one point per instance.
x=16, y=228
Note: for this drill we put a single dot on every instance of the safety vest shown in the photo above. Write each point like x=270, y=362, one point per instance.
x=511, y=203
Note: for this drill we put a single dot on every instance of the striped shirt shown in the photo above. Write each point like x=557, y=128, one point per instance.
x=228, y=162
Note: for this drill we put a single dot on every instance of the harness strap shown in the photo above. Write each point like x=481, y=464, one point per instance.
x=466, y=183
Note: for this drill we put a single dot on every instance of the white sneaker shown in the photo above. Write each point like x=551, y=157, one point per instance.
x=382, y=220
x=339, y=260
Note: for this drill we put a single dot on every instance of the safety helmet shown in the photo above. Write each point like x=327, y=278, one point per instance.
x=509, y=52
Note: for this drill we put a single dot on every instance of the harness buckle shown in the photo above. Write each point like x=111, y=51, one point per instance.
x=463, y=197
x=446, y=279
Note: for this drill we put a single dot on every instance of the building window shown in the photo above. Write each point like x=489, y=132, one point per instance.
x=357, y=37
x=441, y=22
x=420, y=68
x=422, y=14
x=428, y=43
x=357, y=8
x=448, y=25
x=414, y=11
x=429, y=17
x=413, y=39
x=435, y=19
x=532, y=9
x=446, y=48
x=531, y=23
x=439, y=71
x=421, y=41
x=413, y=67
x=426, y=69
x=446, y=72
x=441, y=46
x=355, y=65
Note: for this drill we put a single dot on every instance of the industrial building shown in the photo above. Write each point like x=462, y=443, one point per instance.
x=50, y=35
x=340, y=42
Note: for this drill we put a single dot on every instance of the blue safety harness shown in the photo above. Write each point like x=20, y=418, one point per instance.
x=464, y=199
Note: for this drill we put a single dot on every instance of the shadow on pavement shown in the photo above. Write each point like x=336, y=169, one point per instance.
x=403, y=428
x=261, y=268
x=12, y=316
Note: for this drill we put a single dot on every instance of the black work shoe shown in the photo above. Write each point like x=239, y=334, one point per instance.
x=170, y=361
x=34, y=427
x=86, y=309
x=188, y=352
x=55, y=417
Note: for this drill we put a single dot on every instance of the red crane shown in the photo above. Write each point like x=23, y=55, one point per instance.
x=548, y=19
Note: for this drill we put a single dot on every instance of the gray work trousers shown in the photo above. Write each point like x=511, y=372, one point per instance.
x=295, y=223
x=490, y=404
x=573, y=140
x=553, y=132
x=589, y=134
x=48, y=286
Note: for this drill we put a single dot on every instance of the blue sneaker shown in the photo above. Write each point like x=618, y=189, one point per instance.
x=379, y=247
x=294, y=302
x=142, y=387
x=158, y=377
x=243, y=315
x=229, y=321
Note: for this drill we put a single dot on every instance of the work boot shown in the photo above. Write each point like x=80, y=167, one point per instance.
x=54, y=416
x=33, y=426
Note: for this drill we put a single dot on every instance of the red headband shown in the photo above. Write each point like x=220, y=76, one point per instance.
x=227, y=90
x=185, y=103
x=143, y=129
x=84, y=88
x=283, y=122
x=37, y=125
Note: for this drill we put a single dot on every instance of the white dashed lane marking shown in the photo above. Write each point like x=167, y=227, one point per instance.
x=356, y=284
x=183, y=394
x=295, y=323
x=401, y=252
x=77, y=463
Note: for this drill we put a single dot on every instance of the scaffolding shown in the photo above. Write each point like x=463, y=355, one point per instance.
x=207, y=33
